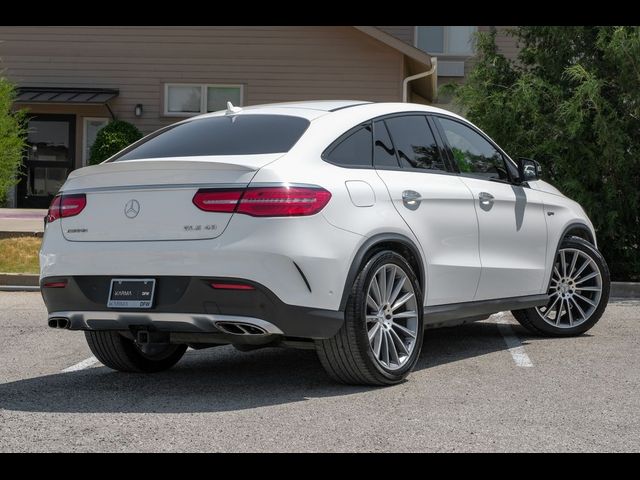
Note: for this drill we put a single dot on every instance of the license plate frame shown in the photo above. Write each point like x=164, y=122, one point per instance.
x=139, y=298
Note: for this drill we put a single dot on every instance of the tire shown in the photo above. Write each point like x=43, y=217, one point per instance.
x=348, y=357
x=581, y=314
x=119, y=353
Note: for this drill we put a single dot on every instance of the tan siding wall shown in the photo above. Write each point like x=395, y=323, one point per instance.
x=404, y=33
x=273, y=63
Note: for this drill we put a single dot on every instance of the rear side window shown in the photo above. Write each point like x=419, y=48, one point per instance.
x=414, y=142
x=354, y=151
x=229, y=135
x=384, y=155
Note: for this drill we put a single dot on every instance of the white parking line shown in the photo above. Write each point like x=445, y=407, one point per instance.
x=516, y=349
x=82, y=365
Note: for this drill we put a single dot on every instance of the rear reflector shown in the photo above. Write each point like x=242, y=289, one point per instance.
x=66, y=206
x=264, y=201
x=232, y=286
x=61, y=284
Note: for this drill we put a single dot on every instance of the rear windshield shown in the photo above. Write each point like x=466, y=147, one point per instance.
x=228, y=135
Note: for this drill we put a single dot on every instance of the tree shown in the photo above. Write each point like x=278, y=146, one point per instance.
x=12, y=139
x=111, y=139
x=571, y=100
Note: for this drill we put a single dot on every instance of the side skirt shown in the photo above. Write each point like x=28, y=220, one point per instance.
x=459, y=313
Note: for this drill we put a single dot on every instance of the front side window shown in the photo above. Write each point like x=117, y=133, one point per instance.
x=473, y=154
x=414, y=142
x=454, y=40
x=353, y=151
x=243, y=134
x=194, y=99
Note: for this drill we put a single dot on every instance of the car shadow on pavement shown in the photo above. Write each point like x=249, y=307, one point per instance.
x=222, y=379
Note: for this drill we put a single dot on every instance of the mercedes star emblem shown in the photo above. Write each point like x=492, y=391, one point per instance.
x=132, y=208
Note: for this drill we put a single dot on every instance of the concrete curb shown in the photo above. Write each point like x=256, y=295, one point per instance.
x=19, y=280
x=625, y=290
x=20, y=234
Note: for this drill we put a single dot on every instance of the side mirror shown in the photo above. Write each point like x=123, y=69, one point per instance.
x=528, y=169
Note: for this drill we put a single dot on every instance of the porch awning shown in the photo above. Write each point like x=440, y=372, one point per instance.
x=65, y=95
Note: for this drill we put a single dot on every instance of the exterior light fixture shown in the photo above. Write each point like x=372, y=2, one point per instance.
x=138, y=110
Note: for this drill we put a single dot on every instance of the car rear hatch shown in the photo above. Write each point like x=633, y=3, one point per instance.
x=152, y=199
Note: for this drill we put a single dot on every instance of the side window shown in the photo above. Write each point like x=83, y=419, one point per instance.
x=474, y=155
x=414, y=142
x=353, y=151
x=384, y=155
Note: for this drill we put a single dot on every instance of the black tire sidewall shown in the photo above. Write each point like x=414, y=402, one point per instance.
x=359, y=296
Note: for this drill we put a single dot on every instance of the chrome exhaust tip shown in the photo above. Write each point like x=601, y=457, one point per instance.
x=238, y=328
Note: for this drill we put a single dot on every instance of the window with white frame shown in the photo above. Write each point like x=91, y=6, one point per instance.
x=92, y=125
x=457, y=40
x=185, y=99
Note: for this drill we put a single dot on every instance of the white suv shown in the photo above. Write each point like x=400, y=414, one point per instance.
x=343, y=226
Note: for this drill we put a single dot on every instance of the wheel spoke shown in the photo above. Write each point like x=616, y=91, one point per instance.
x=386, y=347
x=585, y=299
x=383, y=285
x=375, y=289
x=559, y=315
x=398, y=342
x=373, y=331
x=582, y=314
x=589, y=289
x=397, y=288
x=569, y=312
x=377, y=344
x=404, y=329
x=407, y=314
x=588, y=277
x=573, y=264
x=556, y=272
x=390, y=282
x=372, y=318
x=372, y=303
x=404, y=299
x=580, y=270
x=392, y=349
x=550, y=307
x=563, y=262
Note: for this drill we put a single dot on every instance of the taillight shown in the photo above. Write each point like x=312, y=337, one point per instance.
x=231, y=286
x=66, y=206
x=264, y=201
x=223, y=201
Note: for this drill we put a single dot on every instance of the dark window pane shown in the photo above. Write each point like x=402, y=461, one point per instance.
x=355, y=150
x=384, y=155
x=228, y=135
x=474, y=155
x=414, y=142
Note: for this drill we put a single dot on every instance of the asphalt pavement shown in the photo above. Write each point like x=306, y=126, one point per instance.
x=487, y=386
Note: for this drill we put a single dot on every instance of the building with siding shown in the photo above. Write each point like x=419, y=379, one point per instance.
x=73, y=80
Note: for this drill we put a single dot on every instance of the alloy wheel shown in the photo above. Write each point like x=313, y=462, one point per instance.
x=392, y=316
x=575, y=289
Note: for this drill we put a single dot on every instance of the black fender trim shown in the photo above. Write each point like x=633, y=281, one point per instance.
x=583, y=227
x=366, y=247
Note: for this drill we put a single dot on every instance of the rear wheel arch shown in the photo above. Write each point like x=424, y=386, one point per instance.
x=394, y=242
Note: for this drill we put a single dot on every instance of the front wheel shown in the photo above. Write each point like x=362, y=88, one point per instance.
x=380, y=340
x=122, y=354
x=578, y=292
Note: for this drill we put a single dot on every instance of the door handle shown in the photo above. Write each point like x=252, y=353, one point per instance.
x=486, y=198
x=411, y=199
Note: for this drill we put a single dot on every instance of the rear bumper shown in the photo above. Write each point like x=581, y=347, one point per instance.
x=186, y=305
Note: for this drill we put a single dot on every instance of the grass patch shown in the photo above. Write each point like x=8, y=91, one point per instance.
x=19, y=255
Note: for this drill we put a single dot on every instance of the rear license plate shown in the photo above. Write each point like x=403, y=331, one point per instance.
x=131, y=293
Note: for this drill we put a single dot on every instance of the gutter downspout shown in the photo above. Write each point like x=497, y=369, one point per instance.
x=405, y=82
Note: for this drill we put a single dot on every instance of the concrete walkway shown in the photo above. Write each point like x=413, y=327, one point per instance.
x=21, y=220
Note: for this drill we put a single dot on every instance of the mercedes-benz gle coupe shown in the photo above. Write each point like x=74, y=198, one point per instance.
x=344, y=226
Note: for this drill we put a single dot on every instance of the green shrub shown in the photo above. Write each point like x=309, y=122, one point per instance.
x=570, y=101
x=115, y=136
x=12, y=139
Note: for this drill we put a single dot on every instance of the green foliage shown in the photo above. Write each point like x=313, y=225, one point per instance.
x=12, y=139
x=571, y=100
x=111, y=139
